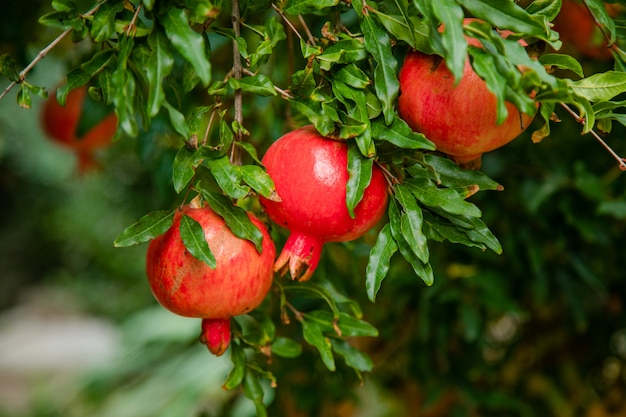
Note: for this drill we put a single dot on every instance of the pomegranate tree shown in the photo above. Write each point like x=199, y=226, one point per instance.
x=189, y=287
x=61, y=124
x=461, y=119
x=310, y=174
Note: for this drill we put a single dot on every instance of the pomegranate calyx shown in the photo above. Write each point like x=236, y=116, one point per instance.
x=216, y=335
x=299, y=256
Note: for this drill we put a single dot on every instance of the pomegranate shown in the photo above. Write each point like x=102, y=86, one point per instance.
x=189, y=287
x=578, y=29
x=310, y=173
x=460, y=119
x=60, y=123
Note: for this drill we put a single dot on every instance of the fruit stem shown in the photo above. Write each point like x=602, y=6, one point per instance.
x=216, y=335
x=299, y=256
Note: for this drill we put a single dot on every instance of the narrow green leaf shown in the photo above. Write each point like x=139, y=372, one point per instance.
x=237, y=373
x=228, y=177
x=562, y=61
x=189, y=43
x=184, y=167
x=313, y=336
x=159, y=66
x=194, y=240
x=296, y=7
x=359, y=177
x=411, y=220
x=348, y=325
x=257, y=178
x=252, y=389
x=353, y=76
x=103, y=22
x=422, y=270
x=386, y=82
x=235, y=217
x=601, y=86
x=451, y=175
x=379, y=262
x=177, y=119
x=256, y=84
x=447, y=199
x=401, y=135
x=286, y=348
x=147, y=228
x=354, y=358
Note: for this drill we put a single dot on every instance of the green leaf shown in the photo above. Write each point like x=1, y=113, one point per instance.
x=194, y=240
x=256, y=84
x=158, y=67
x=189, y=43
x=509, y=15
x=177, y=119
x=313, y=336
x=451, y=175
x=237, y=373
x=359, y=177
x=184, y=167
x=401, y=135
x=386, y=82
x=235, y=217
x=422, y=270
x=147, y=228
x=447, y=199
x=286, y=348
x=316, y=114
x=601, y=86
x=411, y=221
x=345, y=51
x=379, y=261
x=103, y=22
x=354, y=358
x=562, y=61
x=23, y=97
x=486, y=67
x=228, y=177
x=8, y=67
x=348, y=325
x=257, y=178
x=352, y=75
x=252, y=389
x=296, y=7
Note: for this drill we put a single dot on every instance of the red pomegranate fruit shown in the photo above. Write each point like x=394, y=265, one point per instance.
x=61, y=123
x=189, y=287
x=461, y=119
x=310, y=173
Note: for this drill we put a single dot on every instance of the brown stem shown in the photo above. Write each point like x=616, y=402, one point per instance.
x=235, y=157
x=621, y=161
x=41, y=55
x=291, y=26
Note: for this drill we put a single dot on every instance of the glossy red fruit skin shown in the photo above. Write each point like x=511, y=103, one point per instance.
x=188, y=287
x=310, y=173
x=460, y=119
x=60, y=124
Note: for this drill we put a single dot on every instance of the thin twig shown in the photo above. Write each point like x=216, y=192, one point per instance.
x=621, y=161
x=291, y=26
x=237, y=71
x=41, y=55
x=132, y=26
x=306, y=29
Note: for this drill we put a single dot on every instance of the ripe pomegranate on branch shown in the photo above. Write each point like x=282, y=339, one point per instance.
x=235, y=283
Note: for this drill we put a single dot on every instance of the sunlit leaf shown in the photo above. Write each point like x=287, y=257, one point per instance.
x=193, y=238
x=147, y=228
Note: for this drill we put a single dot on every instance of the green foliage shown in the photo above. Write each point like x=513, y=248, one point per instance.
x=170, y=63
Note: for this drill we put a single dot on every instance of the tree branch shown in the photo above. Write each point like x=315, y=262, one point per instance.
x=235, y=157
x=621, y=161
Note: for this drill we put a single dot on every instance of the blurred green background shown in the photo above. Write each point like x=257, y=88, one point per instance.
x=538, y=330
